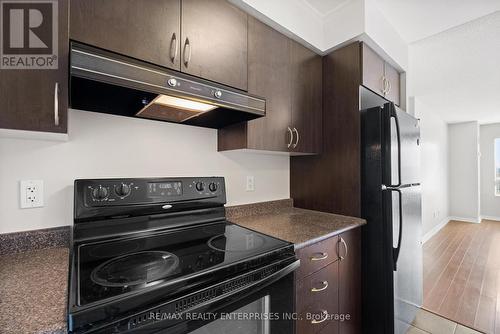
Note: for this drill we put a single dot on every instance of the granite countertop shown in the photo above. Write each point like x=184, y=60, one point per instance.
x=34, y=264
x=300, y=226
x=33, y=291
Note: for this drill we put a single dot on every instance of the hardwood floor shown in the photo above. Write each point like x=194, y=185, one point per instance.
x=462, y=274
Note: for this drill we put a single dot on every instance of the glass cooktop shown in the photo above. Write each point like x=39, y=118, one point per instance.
x=114, y=267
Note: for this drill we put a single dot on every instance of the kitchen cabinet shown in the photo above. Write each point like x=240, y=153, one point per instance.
x=288, y=76
x=37, y=100
x=333, y=287
x=213, y=43
x=306, y=92
x=379, y=76
x=350, y=280
x=149, y=30
x=214, y=37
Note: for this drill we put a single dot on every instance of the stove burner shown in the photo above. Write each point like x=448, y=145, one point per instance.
x=134, y=269
x=237, y=243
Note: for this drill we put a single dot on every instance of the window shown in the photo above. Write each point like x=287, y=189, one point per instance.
x=497, y=166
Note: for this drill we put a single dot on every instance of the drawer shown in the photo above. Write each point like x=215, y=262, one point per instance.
x=314, y=257
x=318, y=289
x=331, y=328
x=317, y=294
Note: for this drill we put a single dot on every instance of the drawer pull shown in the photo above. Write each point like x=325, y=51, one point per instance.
x=324, y=287
x=322, y=256
x=325, y=316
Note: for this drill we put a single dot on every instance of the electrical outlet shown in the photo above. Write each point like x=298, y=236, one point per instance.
x=250, y=183
x=31, y=192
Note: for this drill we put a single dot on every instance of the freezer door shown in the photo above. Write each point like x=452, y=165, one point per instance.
x=409, y=134
x=408, y=277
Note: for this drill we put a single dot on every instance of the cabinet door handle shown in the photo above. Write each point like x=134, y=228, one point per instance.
x=325, y=316
x=56, y=104
x=324, y=287
x=298, y=138
x=173, y=47
x=291, y=137
x=322, y=256
x=187, y=45
x=386, y=86
x=342, y=241
x=389, y=86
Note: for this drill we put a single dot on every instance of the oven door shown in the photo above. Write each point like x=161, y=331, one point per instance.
x=266, y=311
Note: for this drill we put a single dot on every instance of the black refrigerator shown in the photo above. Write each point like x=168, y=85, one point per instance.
x=391, y=204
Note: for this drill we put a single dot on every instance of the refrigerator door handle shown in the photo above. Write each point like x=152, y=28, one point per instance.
x=398, y=135
x=395, y=250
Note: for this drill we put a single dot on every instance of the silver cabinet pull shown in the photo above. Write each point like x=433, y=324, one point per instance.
x=389, y=86
x=291, y=137
x=342, y=241
x=325, y=316
x=187, y=45
x=322, y=256
x=386, y=86
x=173, y=48
x=298, y=138
x=56, y=104
x=324, y=287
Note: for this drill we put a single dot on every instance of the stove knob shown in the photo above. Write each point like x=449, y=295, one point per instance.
x=200, y=186
x=213, y=187
x=218, y=94
x=100, y=193
x=122, y=190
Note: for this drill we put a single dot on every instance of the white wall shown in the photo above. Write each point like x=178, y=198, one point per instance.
x=490, y=204
x=434, y=164
x=464, y=171
x=110, y=146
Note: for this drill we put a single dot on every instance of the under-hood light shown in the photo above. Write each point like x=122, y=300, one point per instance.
x=175, y=102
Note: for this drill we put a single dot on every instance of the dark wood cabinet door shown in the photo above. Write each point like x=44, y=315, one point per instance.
x=372, y=70
x=144, y=29
x=214, y=42
x=393, y=89
x=306, y=76
x=269, y=77
x=350, y=281
x=37, y=100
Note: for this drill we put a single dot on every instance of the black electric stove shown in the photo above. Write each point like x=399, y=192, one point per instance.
x=148, y=251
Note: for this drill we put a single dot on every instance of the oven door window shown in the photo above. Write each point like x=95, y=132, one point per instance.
x=249, y=319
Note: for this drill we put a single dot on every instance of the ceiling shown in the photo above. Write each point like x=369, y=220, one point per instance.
x=457, y=73
x=418, y=19
x=324, y=7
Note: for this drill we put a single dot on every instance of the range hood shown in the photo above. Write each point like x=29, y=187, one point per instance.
x=106, y=82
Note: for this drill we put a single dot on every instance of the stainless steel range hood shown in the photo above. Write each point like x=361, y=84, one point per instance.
x=106, y=82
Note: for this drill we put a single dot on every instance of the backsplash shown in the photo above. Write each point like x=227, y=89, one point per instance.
x=111, y=146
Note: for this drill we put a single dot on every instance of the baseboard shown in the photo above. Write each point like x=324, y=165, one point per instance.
x=490, y=218
x=435, y=229
x=466, y=219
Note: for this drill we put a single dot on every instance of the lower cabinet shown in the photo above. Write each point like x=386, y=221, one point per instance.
x=328, y=286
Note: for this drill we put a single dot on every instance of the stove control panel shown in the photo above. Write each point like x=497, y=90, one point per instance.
x=123, y=192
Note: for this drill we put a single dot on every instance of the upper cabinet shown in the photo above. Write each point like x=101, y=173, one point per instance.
x=214, y=42
x=212, y=45
x=149, y=30
x=306, y=93
x=288, y=76
x=37, y=99
x=380, y=76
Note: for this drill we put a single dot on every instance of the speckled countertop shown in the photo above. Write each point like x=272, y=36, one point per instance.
x=300, y=226
x=33, y=292
x=33, y=279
